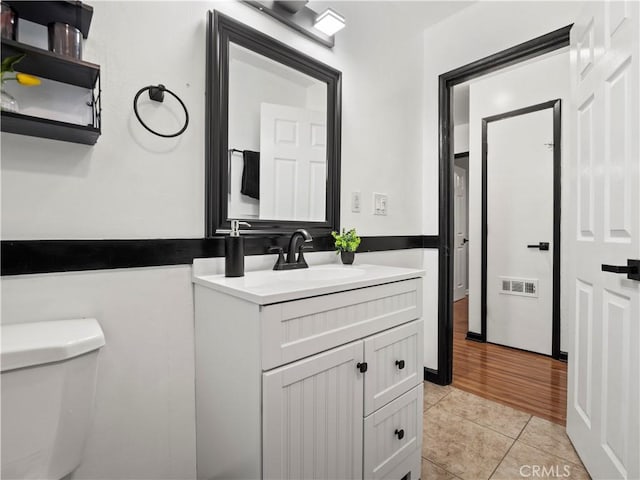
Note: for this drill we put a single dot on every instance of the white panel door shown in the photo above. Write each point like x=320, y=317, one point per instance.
x=461, y=246
x=293, y=163
x=312, y=417
x=520, y=213
x=603, y=404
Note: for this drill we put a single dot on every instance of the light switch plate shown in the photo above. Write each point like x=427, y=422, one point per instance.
x=380, y=203
x=355, y=202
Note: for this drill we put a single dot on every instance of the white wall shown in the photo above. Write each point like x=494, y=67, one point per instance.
x=530, y=84
x=461, y=138
x=132, y=184
x=144, y=421
x=480, y=30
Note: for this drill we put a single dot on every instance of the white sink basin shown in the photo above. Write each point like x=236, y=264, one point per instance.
x=329, y=272
x=269, y=286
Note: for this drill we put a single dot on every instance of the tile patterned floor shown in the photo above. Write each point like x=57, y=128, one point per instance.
x=471, y=438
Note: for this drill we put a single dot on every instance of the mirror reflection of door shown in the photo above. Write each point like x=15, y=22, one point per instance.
x=293, y=163
x=280, y=114
x=520, y=213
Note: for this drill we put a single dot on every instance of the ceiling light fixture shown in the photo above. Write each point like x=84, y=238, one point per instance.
x=329, y=22
x=295, y=14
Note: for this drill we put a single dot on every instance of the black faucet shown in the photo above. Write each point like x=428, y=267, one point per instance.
x=296, y=237
x=296, y=243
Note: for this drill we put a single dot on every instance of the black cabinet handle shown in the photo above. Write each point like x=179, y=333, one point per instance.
x=362, y=367
x=400, y=364
x=632, y=269
x=541, y=246
x=400, y=433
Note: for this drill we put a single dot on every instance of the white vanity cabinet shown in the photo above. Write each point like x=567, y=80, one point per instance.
x=319, y=385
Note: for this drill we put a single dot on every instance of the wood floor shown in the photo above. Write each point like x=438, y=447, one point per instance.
x=527, y=381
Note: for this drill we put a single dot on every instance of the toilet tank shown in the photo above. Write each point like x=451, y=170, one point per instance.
x=48, y=389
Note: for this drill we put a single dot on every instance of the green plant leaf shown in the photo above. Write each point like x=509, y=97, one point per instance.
x=348, y=241
x=9, y=62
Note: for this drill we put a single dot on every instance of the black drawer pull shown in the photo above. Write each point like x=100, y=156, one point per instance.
x=362, y=367
x=400, y=433
x=400, y=364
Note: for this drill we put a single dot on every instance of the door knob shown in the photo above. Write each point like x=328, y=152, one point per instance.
x=541, y=246
x=465, y=240
x=400, y=433
x=400, y=364
x=632, y=269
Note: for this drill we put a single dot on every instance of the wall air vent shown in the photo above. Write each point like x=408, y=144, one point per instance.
x=519, y=286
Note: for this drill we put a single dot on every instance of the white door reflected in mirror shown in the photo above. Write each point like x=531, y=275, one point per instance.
x=277, y=140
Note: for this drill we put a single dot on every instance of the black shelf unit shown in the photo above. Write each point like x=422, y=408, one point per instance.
x=74, y=13
x=46, y=128
x=46, y=64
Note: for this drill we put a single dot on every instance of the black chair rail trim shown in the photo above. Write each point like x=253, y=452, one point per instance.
x=21, y=257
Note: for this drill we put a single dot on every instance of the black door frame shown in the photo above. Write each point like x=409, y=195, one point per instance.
x=533, y=48
x=557, y=192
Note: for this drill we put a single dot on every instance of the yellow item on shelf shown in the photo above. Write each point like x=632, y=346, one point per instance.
x=27, y=80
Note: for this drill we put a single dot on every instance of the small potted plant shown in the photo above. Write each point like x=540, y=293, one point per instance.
x=346, y=243
x=7, y=72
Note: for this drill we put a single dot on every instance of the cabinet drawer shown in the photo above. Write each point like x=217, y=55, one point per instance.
x=297, y=329
x=394, y=361
x=383, y=449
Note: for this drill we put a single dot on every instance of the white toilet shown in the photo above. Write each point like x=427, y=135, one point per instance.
x=48, y=388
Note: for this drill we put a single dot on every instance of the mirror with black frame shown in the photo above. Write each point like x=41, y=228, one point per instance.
x=273, y=134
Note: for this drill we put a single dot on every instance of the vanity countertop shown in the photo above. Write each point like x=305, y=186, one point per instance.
x=268, y=286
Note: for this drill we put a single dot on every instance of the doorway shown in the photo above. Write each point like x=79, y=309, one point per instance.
x=534, y=48
x=521, y=196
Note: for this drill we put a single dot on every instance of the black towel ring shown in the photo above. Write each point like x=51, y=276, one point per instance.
x=156, y=93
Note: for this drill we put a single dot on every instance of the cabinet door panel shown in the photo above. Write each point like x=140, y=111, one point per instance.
x=395, y=359
x=312, y=417
x=385, y=453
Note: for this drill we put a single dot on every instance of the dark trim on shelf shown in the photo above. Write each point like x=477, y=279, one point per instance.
x=533, y=48
x=563, y=357
x=74, y=13
x=21, y=257
x=221, y=31
x=46, y=64
x=431, y=375
x=557, y=192
x=46, y=128
x=461, y=155
x=475, y=337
